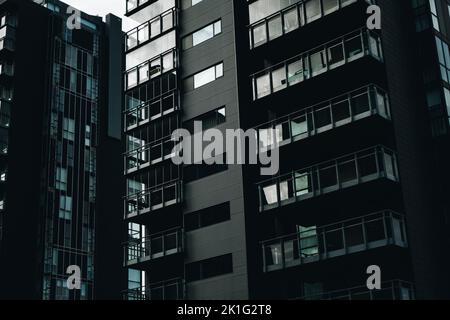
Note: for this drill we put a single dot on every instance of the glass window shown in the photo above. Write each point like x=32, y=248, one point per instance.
x=270, y=194
x=318, y=62
x=208, y=75
x=263, y=86
x=313, y=11
x=336, y=54
x=295, y=72
x=279, y=79
x=275, y=28
x=330, y=6
x=353, y=47
x=291, y=20
x=299, y=126
x=202, y=35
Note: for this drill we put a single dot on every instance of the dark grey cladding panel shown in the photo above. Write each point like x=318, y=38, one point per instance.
x=115, y=48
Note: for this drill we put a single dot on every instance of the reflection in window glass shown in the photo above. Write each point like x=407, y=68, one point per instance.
x=279, y=79
x=275, y=28
x=263, y=85
x=295, y=72
x=291, y=20
x=312, y=10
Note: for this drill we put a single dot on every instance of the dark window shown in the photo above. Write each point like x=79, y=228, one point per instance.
x=207, y=217
x=209, y=268
x=209, y=120
x=194, y=172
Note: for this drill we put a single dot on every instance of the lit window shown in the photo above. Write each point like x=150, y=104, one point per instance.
x=65, y=207
x=202, y=35
x=69, y=129
x=434, y=16
x=61, y=179
x=207, y=76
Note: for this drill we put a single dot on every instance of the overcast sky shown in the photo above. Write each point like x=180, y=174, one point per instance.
x=102, y=8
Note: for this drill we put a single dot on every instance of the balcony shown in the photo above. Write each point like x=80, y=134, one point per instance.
x=149, y=154
x=168, y=290
x=347, y=171
x=7, y=38
x=143, y=249
x=153, y=199
x=6, y=69
x=329, y=56
x=340, y=111
x=391, y=290
x=5, y=114
x=151, y=29
x=292, y=18
x=151, y=69
x=315, y=244
x=151, y=110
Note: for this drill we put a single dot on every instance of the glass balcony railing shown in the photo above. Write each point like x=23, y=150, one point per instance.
x=292, y=18
x=151, y=29
x=324, y=58
x=150, y=69
x=167, y=290
x=153, y=247
x=150, y=154
x=390, y=290
x=339, y=111
x=313, y=244
x=153, y=199
x=151, y=110
x=354, y=169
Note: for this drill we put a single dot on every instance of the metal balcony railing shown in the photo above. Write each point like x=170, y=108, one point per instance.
x=149, y=154
x=151, y=69
x=152, y=29
x=291, y=18
x=390, y=290
x=314, y=62
x=315, y=244
x=167, y=290
x=140, y=249
x=151, y=110
x=153, y=199
x=344, y=172
x=345, y=109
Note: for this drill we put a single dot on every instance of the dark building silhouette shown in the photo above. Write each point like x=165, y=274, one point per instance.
x=362, y=120
x=60, y=159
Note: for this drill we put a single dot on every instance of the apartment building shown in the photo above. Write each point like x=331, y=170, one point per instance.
x=60, y=133
x=361, y=119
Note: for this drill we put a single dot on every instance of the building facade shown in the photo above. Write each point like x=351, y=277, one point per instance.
x=361, y=117
x=61, y=136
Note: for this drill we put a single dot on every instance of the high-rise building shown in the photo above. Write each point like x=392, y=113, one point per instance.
x=361, y=118
x=60, y=151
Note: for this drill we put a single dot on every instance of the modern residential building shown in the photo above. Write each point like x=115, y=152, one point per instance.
x=60, y=151
x=362, y=125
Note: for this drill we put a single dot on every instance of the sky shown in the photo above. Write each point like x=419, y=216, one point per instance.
x=102, y=8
